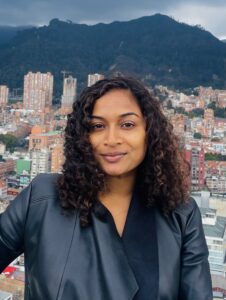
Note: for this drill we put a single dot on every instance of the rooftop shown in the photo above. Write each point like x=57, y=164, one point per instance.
x=214, y=226
x=5, y=295
x=216, y=230
x=205, y=211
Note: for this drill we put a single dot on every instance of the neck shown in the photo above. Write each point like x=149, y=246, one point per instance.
x=118, y=191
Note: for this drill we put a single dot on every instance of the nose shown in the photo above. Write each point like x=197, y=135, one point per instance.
x=112, y=137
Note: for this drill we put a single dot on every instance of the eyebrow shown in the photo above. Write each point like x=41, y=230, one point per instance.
x=121, y=116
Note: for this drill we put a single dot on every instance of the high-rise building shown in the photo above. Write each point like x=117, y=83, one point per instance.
x=93, y=78
x=208, y=122
x=196, y=158
x=4, y=95
x=38, y=90
x=2, y=148
x=69, y=92
x=40, y=162
x=222, y=99
x=57, y=157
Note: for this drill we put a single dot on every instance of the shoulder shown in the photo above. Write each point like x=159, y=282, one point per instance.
x=182, y=219
x=44, y=186
x=186, y=209
x=188, y=217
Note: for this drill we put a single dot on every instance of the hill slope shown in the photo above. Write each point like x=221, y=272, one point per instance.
x=8, y=32
x=156, y=48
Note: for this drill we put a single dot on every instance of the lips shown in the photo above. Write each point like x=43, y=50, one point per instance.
x=113, y=157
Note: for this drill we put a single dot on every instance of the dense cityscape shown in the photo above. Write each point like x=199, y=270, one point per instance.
x=31, y=142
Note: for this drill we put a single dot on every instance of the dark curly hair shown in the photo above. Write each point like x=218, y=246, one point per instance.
x=163, y=174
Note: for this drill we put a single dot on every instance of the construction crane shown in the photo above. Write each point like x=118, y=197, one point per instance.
x=65, y=73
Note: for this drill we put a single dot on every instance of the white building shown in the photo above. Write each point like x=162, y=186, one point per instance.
x=4, y=95
x=215, y=233
x=69, y=91
x=40, y=162
x=202, y=198
x=2, y=148
x=38, y=90
x=5, y=296
x=93, y=78
x=216, y=184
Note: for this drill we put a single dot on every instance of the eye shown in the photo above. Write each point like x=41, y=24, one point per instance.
x=128, y=125
x=96, y=126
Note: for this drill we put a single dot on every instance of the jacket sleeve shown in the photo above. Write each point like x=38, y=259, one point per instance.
x=195, y=274
x=12, y=224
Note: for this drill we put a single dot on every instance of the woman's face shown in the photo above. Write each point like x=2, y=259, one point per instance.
x=118, y=135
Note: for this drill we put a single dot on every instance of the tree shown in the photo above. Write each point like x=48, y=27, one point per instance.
x=179, y=110
x=215, y=157
x=210, y=156
x=196, y=112
x=9, y=140
x=212, y=105
x=197, y=135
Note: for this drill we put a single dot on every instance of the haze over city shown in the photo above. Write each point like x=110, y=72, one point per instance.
x=209, y=14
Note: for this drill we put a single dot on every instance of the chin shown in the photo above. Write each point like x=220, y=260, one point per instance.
x=114, y=174
x=117, y=173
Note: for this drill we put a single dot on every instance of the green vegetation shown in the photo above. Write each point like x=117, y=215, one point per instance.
x=197, y=135
x=197, y=112
x=10, y=141
x=215, y=157
x=212, y=105
x=218, y=112
x=180, y=110
x=156, y=49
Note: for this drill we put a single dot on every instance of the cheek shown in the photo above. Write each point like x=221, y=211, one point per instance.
x=93, y=142
x=141, y=140
x=142, y=144
x=140, y=147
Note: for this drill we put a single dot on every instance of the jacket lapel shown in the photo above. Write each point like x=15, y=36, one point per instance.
x=117, y=271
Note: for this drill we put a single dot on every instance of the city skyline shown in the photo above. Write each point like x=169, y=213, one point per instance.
x=39, y=13
x=196, y=119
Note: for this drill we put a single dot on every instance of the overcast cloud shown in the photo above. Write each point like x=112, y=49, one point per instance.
x=210, y=14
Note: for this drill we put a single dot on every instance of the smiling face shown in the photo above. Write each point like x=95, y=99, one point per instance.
x=118, y=135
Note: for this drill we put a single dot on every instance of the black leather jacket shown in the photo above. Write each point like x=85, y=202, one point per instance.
x=34, y=224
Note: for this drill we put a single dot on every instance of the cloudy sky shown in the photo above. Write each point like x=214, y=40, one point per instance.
x=210, y=14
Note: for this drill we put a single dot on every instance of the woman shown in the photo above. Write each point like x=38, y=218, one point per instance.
x=117, y=224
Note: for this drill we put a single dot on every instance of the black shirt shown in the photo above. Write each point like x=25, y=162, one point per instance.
x=140, y=243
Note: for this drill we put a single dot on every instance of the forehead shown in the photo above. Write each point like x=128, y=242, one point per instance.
x=117, y=101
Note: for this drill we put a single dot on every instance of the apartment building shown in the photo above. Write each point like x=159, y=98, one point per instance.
x=38, y=91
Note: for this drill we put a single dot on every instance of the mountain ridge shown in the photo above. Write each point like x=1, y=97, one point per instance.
x=156, y=49
x=8, y=32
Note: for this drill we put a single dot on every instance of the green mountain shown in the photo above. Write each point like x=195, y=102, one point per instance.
x=8, y=32
x=156, y=49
